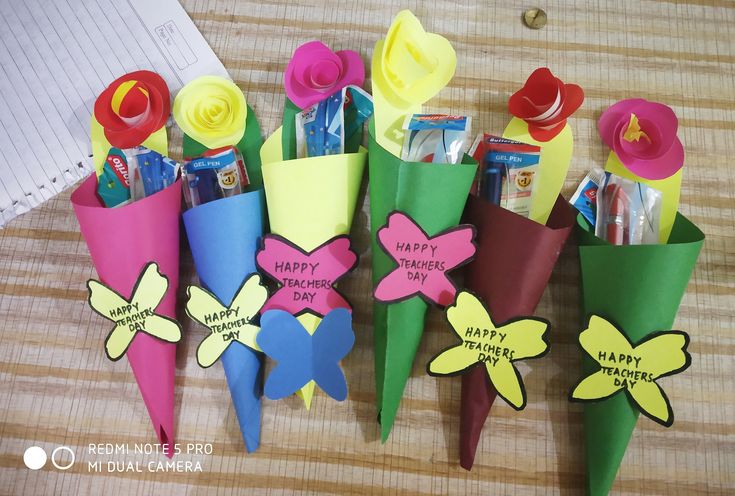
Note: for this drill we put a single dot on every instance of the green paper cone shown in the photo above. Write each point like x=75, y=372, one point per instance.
x=639, y=288
x=434, y=195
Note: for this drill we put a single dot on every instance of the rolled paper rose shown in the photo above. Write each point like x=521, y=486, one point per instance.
x=544, y=103
x=643, y=136
x=315, y=72
x=212, y=110
x=132, y=108
x=414, y=65
x=409, y=67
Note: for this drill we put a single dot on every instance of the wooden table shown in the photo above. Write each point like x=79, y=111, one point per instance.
x=57, y=388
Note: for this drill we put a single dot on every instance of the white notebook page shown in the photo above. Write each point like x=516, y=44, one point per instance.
x=56, y=56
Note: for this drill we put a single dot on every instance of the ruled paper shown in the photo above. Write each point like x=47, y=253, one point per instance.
x=56, y=56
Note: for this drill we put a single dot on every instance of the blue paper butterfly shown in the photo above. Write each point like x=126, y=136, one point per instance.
x=303, y=357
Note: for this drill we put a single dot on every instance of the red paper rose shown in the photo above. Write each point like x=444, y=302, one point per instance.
x=132, y=108
x=545, y=102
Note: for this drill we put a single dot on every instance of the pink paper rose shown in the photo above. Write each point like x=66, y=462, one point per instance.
x=315, y=72
x=643, y=136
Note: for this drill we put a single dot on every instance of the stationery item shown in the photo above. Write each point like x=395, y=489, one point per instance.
x=149, y=172
x=514, y=165
x=436, y=138
x=326, y=127
x=628, y=212
x=113, y=184
x=67, y=71
x=223, y=236
x=585, y=198
x=211, y=177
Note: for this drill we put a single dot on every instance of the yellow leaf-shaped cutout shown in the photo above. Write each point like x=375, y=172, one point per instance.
x=634, y=369
x=226, y=324
x=136, y=314
x=495, y=347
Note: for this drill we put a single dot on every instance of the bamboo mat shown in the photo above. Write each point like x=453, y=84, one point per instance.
x=57, y=387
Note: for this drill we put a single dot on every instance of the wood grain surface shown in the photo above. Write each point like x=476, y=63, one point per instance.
x=57, y=387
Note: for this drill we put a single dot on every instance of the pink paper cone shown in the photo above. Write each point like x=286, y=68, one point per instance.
x=121, y=242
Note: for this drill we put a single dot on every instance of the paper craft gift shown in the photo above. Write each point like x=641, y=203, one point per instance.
x=433, y=195
x=639, y=288
x=516, y=255
x=636, y=288
x=122, y=241
x=312, y=200
x=224, y=234
x=514, y=261
x=125, y=241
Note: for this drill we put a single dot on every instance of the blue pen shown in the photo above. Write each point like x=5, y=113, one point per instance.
x=491, y=186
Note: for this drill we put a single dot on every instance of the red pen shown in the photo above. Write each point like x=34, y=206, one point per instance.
x=617, y=210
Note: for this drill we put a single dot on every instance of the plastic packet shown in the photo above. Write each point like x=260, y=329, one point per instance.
x=113, y=184
x=435, y=138
x=149, y=172
x=585, y=198
x=628, y=212
x=325, y=127
x=213, y=176
x=507, y=172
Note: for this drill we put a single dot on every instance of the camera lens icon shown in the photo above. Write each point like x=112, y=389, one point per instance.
x=62, y=457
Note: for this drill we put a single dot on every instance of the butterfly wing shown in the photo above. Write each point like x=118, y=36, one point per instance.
x=285, y=340
x=332, y=341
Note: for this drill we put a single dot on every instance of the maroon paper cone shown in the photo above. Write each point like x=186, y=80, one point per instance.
x=514, y=260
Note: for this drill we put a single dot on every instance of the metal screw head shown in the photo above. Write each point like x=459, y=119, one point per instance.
x=534, y=18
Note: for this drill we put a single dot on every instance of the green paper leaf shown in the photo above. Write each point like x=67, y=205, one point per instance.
x=288, y=135
x=434, y=195
x=640, y=288
x=249, y=147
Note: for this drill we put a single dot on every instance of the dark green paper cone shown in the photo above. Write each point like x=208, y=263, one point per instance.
x=640, y=289
x=434, y=195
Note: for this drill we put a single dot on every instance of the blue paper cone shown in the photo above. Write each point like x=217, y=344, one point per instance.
x=224, y=236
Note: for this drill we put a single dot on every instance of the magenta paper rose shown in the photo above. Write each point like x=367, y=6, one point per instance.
x=315, y=72
x=643, y=136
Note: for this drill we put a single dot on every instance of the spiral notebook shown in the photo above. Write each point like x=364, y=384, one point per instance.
x=56, y=56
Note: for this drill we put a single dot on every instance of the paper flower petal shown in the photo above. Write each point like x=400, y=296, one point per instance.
x=212, y=110
x=315, y=72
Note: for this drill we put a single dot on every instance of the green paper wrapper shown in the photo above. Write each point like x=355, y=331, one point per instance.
x=434, y=195
x=639, y=288
x=249, y=147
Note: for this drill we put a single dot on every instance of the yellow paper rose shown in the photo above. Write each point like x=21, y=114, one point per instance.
x=413, y=65
x=212, y=110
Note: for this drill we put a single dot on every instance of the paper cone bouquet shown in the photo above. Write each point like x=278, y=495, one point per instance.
x=135, y=246
x=224, y=233
x=268, y=276
x=312, y=171
x=631, y=292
